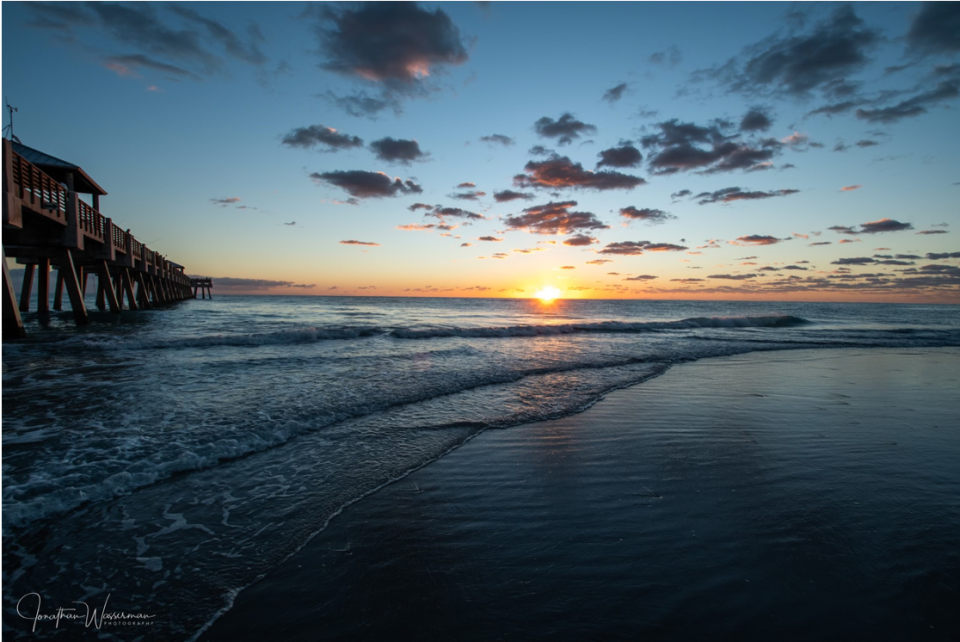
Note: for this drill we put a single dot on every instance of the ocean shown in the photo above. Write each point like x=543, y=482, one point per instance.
x=170, y=458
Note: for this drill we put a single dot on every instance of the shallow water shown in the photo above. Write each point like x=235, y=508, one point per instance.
x=172, y=457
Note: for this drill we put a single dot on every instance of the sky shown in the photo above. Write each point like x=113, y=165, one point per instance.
x=608, y=150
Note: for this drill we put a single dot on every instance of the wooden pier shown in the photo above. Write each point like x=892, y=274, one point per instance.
x=47, y=226
x=203, y=283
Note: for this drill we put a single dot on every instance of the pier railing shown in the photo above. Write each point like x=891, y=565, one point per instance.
x=39, y=190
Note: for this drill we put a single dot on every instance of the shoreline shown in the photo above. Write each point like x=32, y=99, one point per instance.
x=250, y=610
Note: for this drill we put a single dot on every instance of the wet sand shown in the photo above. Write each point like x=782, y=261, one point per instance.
x=788, y=495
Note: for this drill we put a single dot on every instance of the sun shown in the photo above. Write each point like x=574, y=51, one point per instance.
x=547, y=294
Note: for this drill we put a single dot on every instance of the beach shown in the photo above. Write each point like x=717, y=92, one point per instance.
x=809, y=494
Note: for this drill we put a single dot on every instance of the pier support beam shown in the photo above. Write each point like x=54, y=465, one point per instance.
x=43, y=286
x=12, y=323
x=27, y=288
x=128, y=287
x=73, y=289
x=58, y=290
x=106, y=287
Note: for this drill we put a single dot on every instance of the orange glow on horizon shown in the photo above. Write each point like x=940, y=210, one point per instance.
x=547, y=294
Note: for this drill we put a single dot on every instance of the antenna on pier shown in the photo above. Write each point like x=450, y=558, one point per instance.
x=8, y=130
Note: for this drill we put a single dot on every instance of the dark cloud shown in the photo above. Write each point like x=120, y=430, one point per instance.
x=560, y=171
x=758, y=239
x=642, y=277
x=936, y=256
x=497, y=139
x=933, y=232
x=232, y=44
x=354, y=242
x=935, y=29
x=756, y=120
x=565, y=129
x=884, y=225
x=255, y=284
x=821, y=243
x=614, y=94
x=625, y=156
x=843, y=229
x=489, y=238
x=669, y=57
x=362, y=184
x=639, y=247
x=798, y=64
x=398, y=150
x=540, y=150
x=796, y=267
x=645, y=214
x=733, y=277
x=455, y=212
x=361, y=103
x=508, y=195
x=307, y=137
x=682, y=193
x=680, y=147
x=580, y=240
x=730, y=194
x=466, y=185
x=554, y=218
x=866, y=143
x=834, y=108
x=123, y=65
x=858, y=260
x=914, y=106
x=397, y=42
x=468, y=196
x=230, y=200
x=419, y=206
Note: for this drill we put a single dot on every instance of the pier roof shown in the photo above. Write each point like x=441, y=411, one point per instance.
x=58, y=169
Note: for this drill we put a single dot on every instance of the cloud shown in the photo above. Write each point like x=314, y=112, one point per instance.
x=821, y=243
x=614, y=94
x=489, y=238
x=935, y=29
x=599, y=261
x=914, y=106
x=834, y=108
x=669, y=58
x=733, y=277
x=354, y=242
x=850, y=188
x=124, y=65
x=455, y=212
x=560, y=171
x=645, y=214
x=397, y=150
x=884, y=225
x=936, y=256
x=232, y=44
x=466, y=245
x=416, y=227
x=497, y=139
x=580, y=240
x=540, y=150
x=230, y=200
x=682, y=193
x=568, y=267
x=641, y=277
x=639, y=247
x=361, y=103
x=681, y=147
x=866, y=143
x=758, y=239
x=388, y=42
x=254, y=284
x=797, y=64
x=307, y=137
x=554, y=218
x=858, y=260
x=419, y=206
x=756, y=120
x=468, y=196
x=565, y=129
x=925, y=232
x=730, y=194
x=842, y=241
x=624, y=156
x=362, y=184
x=466, y=185
x=508, y=195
